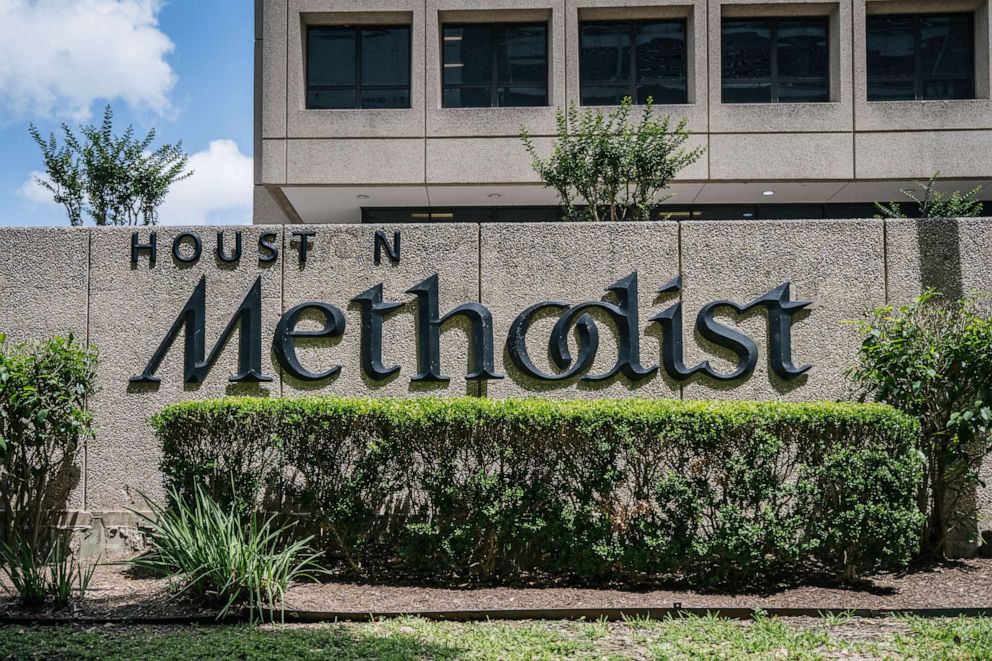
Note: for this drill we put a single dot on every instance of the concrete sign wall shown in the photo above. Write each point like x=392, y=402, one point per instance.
x=376, y=304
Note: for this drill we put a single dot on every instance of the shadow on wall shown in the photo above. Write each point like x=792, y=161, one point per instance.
x=939, y=242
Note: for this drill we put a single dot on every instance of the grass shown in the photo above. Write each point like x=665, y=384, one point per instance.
x=412, y=638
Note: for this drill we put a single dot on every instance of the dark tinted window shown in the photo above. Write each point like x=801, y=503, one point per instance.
x=776, y=60
x=635, y=59
x=921, y=57
x=495, y=65
x=358, y=67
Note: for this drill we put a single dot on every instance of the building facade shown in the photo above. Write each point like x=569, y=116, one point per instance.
x=410, y=110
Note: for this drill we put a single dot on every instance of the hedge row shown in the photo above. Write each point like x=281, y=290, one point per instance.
x=716, y=492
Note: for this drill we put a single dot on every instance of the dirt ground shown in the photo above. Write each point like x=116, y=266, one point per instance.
x=119, y=592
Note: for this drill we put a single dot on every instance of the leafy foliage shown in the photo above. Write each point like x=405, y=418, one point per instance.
x=718, y=492
x=43, y=389
x=34, y=577
x=223, y=557
x=934, y=204
x=116, y=180
x=604, y=167
x=933, y=360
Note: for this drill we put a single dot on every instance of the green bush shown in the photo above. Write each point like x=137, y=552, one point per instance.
x=932, y=359
x=717, y=492
x=43, y=390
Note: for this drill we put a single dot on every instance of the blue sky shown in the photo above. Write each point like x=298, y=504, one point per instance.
x=181, y=66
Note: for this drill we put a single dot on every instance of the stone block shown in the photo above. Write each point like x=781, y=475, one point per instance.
x=131, y=310
x=341, y=266
x=838, y=265
x=528, y=263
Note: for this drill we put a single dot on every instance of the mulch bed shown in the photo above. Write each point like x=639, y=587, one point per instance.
x=120, y=593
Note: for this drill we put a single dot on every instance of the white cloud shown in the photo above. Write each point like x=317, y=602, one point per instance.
x=33, y=192
x=220, y=190
x=59, y=56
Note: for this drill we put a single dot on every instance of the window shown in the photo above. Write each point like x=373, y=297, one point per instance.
x=921, y=57
x=358, y=67
x=488, y=66
x=776, y=60
x=637, y=59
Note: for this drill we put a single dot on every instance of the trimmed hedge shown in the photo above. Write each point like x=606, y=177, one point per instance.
x=719, y=493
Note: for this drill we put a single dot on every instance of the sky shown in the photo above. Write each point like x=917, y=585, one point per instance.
x=183, y=67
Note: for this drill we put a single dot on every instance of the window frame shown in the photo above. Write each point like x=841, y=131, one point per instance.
x=494, y=86
x=358, y=87
x=633, y=25
x=774, y=80
x=918, y=77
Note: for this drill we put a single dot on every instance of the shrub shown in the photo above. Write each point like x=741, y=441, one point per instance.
x=606, y=167
x=933, y=360
x=719, y=492
x=932, y=203
x=222, y=557
x=43, y=389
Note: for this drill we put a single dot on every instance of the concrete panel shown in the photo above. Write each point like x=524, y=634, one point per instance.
x=952, y=256
x=43, y=282
x=836, y=115
x=274, y=33
x=481, y=160
x=336, y=162
x=273, y=159
x=266, y=209
x=506, y=161
x=781, y=156
x=527, y=263
x=391, y=123
x=836, y=264
x=467, y=122
x=923, y=115
x=919, y=154
x=955, y=258
x=693, y=11
x=341, y=266
x=131, y=310
x=43, y=293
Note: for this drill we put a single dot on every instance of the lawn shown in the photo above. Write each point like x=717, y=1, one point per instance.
x=412, y=638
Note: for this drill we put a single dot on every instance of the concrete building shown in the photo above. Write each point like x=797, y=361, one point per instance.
x=407, y=110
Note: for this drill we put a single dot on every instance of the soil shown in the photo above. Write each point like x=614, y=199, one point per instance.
x=117, y=591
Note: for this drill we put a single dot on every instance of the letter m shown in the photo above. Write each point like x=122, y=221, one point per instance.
x=193, y=318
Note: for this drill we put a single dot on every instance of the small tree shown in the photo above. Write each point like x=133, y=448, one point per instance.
x=933, y=360
x=934, y=204
x=116, y=180
x=606, y=168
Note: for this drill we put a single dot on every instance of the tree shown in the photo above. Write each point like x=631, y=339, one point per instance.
x=934, y=204
x=605, y=168
x=115, y=180
x=932, y=359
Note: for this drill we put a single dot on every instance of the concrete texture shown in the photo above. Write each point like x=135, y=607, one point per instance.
x=845, y=140
x=924, y=115
x=777, y=156
x=82, y=281
x=392, y=123
x=130, y=311
x=918, y=154
x=527, y=263
x=337, y=162
x=465, y=122
x=694, y=11
x=838, y=265
x=341, y=266
x=794, y=117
